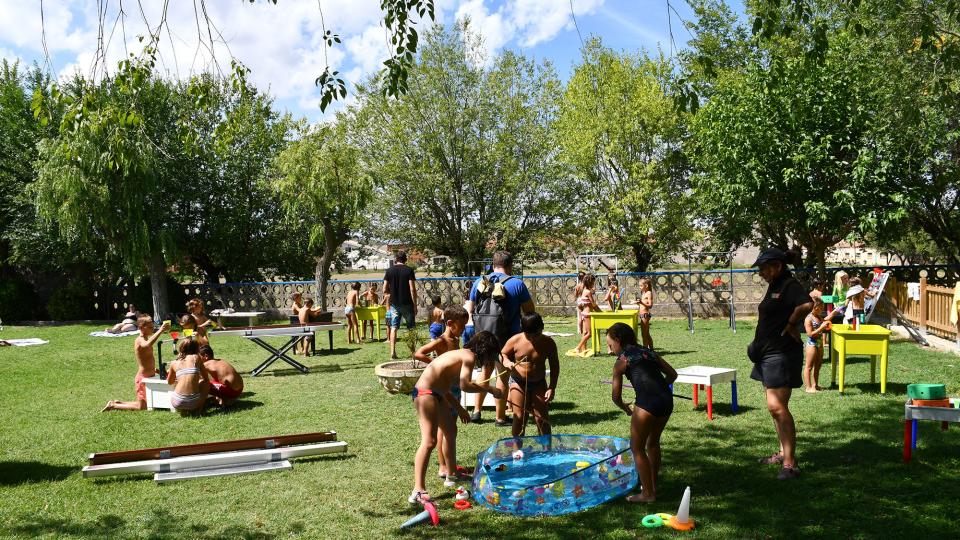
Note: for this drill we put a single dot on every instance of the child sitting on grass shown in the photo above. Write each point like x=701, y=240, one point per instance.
x=226, y=384
x=350, y=312
x=146, y=365
x=526, y=356
x=436, y=400
x=436, y=318
x=814, y=325
x=189, y=378
x=650, y=377
x=456, y=318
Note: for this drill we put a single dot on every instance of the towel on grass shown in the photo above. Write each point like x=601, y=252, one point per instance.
x=110, y=334
x=25, y=342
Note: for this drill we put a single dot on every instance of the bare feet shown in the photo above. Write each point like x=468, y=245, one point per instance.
x=108, y=406
x=810, y=390
x=641, y=498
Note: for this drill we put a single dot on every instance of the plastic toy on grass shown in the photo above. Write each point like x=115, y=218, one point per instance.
x=543, y=484
x=429, y=513
x=682, y=521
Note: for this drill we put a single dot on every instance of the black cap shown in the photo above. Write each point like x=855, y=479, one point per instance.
x=770, y=254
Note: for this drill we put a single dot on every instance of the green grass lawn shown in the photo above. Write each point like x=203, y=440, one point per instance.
x=854, y=483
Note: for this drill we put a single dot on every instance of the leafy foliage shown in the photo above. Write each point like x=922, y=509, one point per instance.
x=622, y=137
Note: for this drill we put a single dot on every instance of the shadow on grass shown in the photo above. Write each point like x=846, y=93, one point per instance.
x=237, y=406
x=159, y=525
x=583, y=417
x=15, y=473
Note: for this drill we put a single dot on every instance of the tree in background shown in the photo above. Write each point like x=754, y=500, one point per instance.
x=110, y=178
x=323, y=186
x=464, y=161
x=621, y=135
x=792, y=149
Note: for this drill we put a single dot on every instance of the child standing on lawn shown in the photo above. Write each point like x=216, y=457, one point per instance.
x=350, y=312
x=526, y=355
x=437, y=403
x=373, y=300
x=585, y=304
x=146, y=365
x=456, y=319
x=612, y=298
x=644, y=306
x=436, y=318
x=650, y=377
x=814, y=325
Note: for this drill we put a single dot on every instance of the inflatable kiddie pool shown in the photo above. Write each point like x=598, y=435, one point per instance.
x=554, y=475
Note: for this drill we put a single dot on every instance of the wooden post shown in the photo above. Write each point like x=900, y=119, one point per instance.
x=923, y=306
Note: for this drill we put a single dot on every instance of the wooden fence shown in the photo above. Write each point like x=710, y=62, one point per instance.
x=931, y=312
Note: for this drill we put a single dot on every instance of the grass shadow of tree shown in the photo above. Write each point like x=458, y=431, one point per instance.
x=15, y=473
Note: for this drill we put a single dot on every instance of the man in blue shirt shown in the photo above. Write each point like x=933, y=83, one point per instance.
x=518, y=300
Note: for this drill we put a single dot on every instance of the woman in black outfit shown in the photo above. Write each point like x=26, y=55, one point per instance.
x=777, y=351
x=650, y=377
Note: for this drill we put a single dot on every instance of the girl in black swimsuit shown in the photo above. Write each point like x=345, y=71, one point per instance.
x=650, y=376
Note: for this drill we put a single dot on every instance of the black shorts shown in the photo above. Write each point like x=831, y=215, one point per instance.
x=780, y=368
x=658, y=405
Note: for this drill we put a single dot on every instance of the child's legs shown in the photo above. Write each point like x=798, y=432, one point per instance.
x=448, y=434
x=645, y=332
x=642, y=424
x=441, y=454
x=541, y=413
x=484, y=374
x=817, y=362
x=140, y=405
x=809, y=353
x=653, y=447
x=516, y=400
x=586, y=336
x=428, y=409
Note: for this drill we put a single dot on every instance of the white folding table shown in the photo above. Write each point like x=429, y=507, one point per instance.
x=700, y=376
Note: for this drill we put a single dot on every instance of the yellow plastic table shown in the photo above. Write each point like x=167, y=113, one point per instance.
x=870, y=340
x=377, y=314
x=601, y=320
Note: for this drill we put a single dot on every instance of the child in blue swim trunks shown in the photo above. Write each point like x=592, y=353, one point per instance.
x=435, y=403
x=436, y=318
x=650, y=377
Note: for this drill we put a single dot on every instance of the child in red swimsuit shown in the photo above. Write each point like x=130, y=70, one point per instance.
x=226, y=384
x=435, y=402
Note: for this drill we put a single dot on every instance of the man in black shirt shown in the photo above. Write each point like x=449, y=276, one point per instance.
x=400, y=290
x=777, y=351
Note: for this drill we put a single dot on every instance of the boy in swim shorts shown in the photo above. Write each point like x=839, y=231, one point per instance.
x=146, y=365
x=526, y=355
x=435, y=403
x=226, y=384
x=436, y=318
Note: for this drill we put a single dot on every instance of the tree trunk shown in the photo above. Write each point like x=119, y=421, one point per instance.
x=322, y=272
x=820, y=256
x=158, y=285
x=642, y=256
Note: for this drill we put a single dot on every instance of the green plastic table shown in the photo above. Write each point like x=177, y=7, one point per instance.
x=377, y=314
x=870, y=340
x=601, y=320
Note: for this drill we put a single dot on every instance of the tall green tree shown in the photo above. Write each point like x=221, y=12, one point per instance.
x=620, y=133
x=109, y=177
x=790, y=149
x=325, y=187
x=465, y=160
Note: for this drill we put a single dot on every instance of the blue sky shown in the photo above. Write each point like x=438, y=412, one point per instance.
x=282, y=43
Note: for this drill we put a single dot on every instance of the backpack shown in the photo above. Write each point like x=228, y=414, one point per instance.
x=489, y=311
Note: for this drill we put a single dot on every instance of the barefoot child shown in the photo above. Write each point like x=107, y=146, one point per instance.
x=585, y=304
x=436, y=403
x=456, y=318
x=226, y=384
x=195, y=308
x=373, y=300
x=188, y=322
x=146, y=364
x=189, y=378
x=612, y=298
x=645, y=304
x=650, y=377
x=307, y=314
x=814, y=325
x=350, y=312
x=436, y=318
x=526, y=356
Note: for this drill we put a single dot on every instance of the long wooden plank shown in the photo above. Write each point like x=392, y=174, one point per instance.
x=103, y=458
x=213, y=460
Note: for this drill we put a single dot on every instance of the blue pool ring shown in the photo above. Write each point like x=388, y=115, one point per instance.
x=652, y=521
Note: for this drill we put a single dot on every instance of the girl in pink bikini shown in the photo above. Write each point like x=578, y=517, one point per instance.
x=645, y=304
x=586, y=303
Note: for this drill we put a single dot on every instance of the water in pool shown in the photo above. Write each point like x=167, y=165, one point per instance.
x=538, y=469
